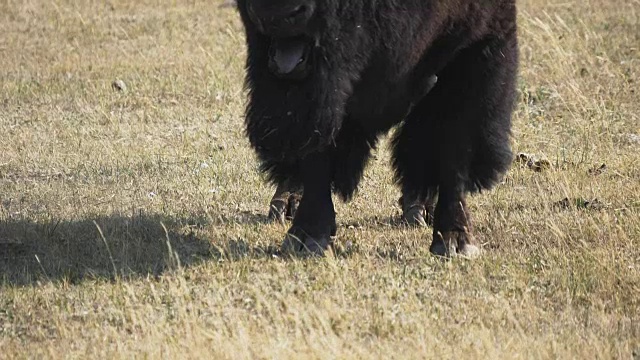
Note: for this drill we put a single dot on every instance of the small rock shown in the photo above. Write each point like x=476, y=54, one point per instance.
x=633, y=138
x=521, y=158
x=228, y=3
x=532, y=162
x=119, y=85
x=629, y=139
x=597, y=170
x=539, y=165
x=580, y=203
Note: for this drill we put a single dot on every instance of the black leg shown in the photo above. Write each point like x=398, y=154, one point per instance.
x=279, y=203
x=315, y=219
x=457, y=138
x=284, y=202
x=418, y=208
x=475, y=125
x=452, y=232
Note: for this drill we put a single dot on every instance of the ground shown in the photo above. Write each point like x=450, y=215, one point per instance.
x=133, y=218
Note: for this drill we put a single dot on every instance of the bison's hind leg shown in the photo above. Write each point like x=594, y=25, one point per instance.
x=457, y=138
x=285, y=201
x=475, y=114
x=417, y=208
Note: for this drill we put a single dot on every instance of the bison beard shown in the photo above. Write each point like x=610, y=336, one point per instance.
x=327, y=77
x=287, y=120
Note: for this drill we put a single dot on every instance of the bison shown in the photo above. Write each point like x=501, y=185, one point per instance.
x=327, y=78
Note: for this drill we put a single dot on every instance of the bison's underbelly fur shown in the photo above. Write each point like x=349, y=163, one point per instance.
x=377, y=105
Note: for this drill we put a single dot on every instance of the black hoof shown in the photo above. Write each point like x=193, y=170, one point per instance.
x=418, y=212
x=455, y=244
x=278, y=211
x=415, y=216
x=292, y=208
x=298, y=242
x=281, y=210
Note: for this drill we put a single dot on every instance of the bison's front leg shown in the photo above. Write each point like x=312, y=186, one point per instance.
x=315, y=219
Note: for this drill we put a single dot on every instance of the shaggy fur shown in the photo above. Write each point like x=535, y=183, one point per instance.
x=371, y=61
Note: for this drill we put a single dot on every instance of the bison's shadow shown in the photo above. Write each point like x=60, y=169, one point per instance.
x=139, y=245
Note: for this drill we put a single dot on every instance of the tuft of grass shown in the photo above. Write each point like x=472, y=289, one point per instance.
x=133, y=220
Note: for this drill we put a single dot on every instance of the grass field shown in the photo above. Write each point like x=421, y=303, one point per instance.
x=133, y=221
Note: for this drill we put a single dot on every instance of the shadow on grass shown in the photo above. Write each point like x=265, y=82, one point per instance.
x=73, y=251
x=33, y=252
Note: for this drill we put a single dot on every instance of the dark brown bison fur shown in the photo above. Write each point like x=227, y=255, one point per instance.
x=370, y=64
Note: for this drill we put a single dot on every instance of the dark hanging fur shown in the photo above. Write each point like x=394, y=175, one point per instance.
x=371, y=61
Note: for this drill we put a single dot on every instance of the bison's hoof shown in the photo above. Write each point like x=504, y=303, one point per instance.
x=414, y=216
x=278, y=211
x=297, y=241
x=455, y=243
x=294, y=202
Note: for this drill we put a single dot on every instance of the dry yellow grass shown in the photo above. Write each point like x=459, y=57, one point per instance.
x=556, y=282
